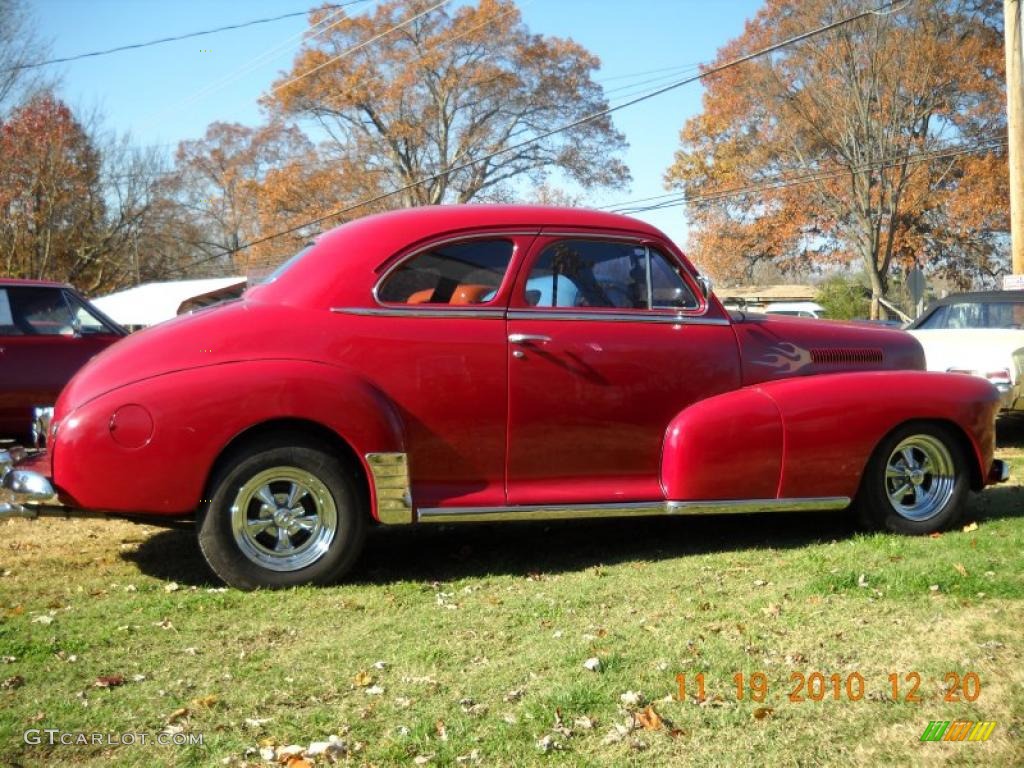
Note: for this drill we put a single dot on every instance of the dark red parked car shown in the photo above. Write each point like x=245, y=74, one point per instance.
x=47, y=332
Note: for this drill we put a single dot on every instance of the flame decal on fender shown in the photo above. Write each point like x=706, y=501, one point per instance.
x=785, y=358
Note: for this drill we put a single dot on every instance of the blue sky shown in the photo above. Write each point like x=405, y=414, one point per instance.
x=170, y=92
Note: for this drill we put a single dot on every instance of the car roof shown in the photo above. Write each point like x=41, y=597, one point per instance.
x=354, y=253
x=9, y=282
x=981, y=297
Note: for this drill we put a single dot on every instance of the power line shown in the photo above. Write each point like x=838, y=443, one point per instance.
x=175, y=38
x=631, y=206
x=358, y=46
x=337, y=16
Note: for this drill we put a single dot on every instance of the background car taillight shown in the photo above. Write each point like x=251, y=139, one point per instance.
x=1001, y=376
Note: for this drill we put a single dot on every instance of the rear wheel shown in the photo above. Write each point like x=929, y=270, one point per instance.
x=916, y=482
x=282, y=515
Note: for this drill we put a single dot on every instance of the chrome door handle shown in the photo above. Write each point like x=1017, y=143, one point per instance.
x=528, y=338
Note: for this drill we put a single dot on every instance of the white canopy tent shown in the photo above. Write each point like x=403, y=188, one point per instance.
x=152, y=303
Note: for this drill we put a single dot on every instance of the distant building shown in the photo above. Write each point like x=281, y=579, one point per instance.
x=759, y=296
x=152, y=303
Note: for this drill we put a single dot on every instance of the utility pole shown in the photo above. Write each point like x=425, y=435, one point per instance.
x=1014, y=30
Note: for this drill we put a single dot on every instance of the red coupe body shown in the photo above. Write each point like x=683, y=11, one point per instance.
x=486, y=396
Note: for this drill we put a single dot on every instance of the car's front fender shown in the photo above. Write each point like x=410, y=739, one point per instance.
x=811, y=437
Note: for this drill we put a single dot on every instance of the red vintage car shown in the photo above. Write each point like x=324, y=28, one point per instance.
x=47, y=332
x=477, y=363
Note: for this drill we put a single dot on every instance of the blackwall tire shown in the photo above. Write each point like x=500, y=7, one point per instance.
x=916, y=482
x=282, y=516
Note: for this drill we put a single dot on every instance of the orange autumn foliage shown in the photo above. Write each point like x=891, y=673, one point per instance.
x=835, y=144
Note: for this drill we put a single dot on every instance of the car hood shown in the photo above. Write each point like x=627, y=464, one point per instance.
x=975, y=349
x=231, y=332
x=774, y=347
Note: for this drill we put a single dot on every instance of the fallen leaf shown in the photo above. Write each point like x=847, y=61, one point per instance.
x=178, y=714
x=959, y=568
x=172, y=587
x=762, y=712
x=205, y=701
x=44, y=619
x=15, y=681
x=648, y=719
x=584, y=723
x=109, y=681
x=970, y=527
x=862, y=580
x=422, y=759
x=546, y=744
x=935, y=535
x=632, y=698
x=297, y=762
x=442, y=730
x=362, y=679
x=515, y=695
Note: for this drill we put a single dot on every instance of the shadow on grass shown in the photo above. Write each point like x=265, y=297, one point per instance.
x=444, y=553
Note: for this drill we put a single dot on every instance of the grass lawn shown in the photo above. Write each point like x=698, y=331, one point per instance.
x=467, y=645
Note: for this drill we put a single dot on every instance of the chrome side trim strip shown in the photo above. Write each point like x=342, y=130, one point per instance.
x=391, y=490
x=552, y=512
x=412, y=312
x=633, y=509
x=616, y=317
x=740, y=506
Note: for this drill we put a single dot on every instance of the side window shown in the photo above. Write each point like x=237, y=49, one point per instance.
x=38, y=311
x=594, y=273
x=454, y=273
x=85, y=321
x=669, y=289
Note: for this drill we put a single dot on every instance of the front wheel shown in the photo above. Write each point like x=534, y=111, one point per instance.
x=281, y=516
x=916, y=482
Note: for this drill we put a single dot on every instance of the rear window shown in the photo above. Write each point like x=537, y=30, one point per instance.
x=451, y=273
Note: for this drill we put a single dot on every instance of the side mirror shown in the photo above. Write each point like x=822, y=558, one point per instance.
x=706, y=286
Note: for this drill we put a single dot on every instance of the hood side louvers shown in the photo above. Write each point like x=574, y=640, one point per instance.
x=849, y=356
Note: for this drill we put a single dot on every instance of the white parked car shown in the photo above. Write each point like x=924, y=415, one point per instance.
x=795, y=309
x=980, y=334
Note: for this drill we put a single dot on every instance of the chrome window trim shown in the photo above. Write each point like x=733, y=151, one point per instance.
x=632, y=509
x=638, y=316
x=489, y=235
x=639, y=239
x=531, y=314
x=391, y=491
x=397, y=311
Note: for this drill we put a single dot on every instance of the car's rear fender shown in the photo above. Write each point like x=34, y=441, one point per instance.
x=811, y=437
x=196, y=414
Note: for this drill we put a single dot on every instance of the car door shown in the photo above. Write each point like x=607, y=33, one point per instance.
x=434, y=344
x=608, y=338
x=45, y=337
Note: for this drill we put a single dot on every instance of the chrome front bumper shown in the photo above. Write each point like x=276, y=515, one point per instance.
x=23, y=492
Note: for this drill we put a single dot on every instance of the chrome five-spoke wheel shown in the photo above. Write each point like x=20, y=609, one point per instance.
x=919, y=477
x=284, y=510
x=283, y=519
x=916, y=481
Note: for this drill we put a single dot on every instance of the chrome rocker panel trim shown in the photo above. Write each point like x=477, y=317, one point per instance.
x=390, y=474
x=635, y=509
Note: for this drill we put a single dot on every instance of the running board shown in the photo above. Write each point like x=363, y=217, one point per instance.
x=635, y=509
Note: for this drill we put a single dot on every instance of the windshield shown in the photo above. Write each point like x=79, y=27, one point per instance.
x=961, y=315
